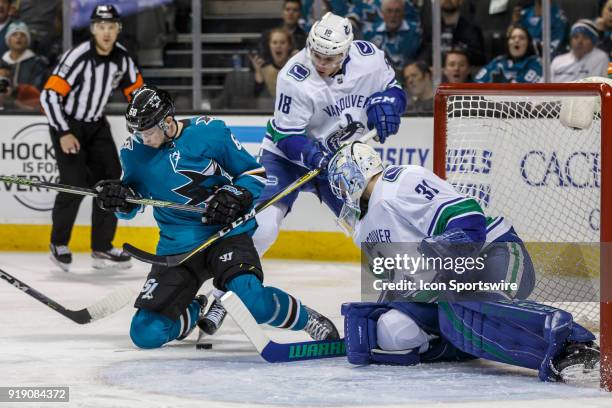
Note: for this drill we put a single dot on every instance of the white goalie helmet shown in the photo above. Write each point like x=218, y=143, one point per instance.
x=350, y=170
x=332, y=35
x=349, y=173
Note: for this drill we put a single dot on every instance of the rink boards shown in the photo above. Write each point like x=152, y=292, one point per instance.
x=25, y=219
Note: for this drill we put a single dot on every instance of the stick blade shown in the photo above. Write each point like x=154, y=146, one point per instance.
x=305, y=350
x=274, y=352
x=110, y=304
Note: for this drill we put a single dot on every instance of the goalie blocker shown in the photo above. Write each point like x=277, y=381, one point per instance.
x=520, y=333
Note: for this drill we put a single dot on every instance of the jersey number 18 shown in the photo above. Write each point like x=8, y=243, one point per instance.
x=284, y=103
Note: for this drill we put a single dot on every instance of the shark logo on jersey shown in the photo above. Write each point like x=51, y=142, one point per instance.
x=129, y=143
x=193, y=190
x=298, y=72
x=204, y=119
x=340, y=136
x=174, y=159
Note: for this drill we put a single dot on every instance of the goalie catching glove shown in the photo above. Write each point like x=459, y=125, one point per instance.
x=112, y=196
x=226, y=204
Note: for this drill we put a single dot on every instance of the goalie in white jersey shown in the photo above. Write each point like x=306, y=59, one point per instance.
x=410, y=204
x=326, y=95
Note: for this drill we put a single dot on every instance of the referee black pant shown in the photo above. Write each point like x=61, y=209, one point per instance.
x=96, y=160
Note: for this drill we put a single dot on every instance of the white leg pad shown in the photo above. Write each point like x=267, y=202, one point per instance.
x=397, y=331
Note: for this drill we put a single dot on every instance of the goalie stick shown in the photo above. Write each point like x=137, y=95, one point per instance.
x=93, y=193
x=272, y=351
x=174, y=260
x=99, y=310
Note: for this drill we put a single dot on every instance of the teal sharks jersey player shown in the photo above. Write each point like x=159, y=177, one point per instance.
x=197, y=162
x=204, y=157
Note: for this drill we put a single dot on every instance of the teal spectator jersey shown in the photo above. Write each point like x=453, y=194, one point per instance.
x=558, y=28
x=188, y=170
x=506, y=70
x=369, y=12
x=401, y=47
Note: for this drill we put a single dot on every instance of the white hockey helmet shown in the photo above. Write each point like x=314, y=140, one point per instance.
x=350, y=170
x=332, y=35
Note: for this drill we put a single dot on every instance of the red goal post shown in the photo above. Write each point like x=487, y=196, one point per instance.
x=526, y=117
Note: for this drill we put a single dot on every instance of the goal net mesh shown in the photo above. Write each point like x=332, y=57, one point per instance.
x=519, y=161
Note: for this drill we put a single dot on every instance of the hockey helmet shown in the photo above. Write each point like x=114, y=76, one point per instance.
x=104, y=12
x=332, y=35
x=350, y=170
x=149, y=107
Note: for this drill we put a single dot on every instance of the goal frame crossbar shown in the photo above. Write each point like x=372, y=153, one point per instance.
x=602, y=90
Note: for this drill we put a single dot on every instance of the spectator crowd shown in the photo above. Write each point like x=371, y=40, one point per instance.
x=481, y=41
x=497, y=41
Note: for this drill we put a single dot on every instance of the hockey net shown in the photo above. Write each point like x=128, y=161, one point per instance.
x=506, y=146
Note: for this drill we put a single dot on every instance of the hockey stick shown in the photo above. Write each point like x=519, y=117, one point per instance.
x=272, y=351
x=174, y=260
x=99, y=310
x=93, y=193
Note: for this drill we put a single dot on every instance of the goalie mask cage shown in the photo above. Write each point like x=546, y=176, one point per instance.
x=507, y=146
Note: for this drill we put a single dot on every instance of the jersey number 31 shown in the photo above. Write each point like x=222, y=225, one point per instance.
x=425, y=189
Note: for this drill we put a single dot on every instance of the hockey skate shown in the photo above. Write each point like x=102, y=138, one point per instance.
x=113, y=258
x=579, y=363
x=213, y=318
x=203, y=301
x=320, y=327
x=61, y=256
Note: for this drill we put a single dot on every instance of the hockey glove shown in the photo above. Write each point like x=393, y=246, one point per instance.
x=316, y=158
x=226, y=204
x=383, y=115
x=112, y=194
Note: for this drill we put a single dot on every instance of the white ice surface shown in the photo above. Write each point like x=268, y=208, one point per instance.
x=39, y=347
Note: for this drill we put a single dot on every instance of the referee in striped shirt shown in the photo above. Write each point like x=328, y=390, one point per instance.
x=73, y=99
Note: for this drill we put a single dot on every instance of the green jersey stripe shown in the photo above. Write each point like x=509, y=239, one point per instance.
x=277, y=135
x=456, y=210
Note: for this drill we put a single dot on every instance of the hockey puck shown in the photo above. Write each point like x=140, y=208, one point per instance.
x=203, y=346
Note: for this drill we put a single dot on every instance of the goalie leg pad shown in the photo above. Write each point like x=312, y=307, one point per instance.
x=360, y=331
x=363, y=344
x=520, y=333
x=397, y=331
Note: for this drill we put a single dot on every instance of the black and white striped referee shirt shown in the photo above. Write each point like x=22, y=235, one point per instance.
x=82, y=82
